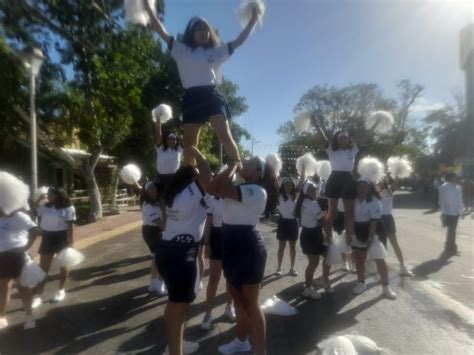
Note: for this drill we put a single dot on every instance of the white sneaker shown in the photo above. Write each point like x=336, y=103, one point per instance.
x=293, y=272
x=388, y=292
x=352, y=269
x=310, y=292
x=30, y=322
x=230, y=312
x=206, y=322
x=189, y=347
x=3, y=322
x=360, y=288
x=235, y=346
x=59, y=296
x=36, y=302
x=201, y=285
x=346, y=266
x=278, y=272
x=328, y=288
x=405, y=272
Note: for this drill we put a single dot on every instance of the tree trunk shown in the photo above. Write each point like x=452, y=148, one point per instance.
x=113, y=201
x=92, y=187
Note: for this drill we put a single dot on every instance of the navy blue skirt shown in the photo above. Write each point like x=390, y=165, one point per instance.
x=312, y=241
x=243, y=255
x=287, y=229
x=202, y=102
x=215, y=243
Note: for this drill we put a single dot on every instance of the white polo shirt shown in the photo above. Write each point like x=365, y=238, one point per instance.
x=187, y=215
x=199, y=67
x=214, y=209
x=54, y=219
x=342, y=159
x=386, y=202
x=366, y=211
x=14, y=231
x=286, y=208
x=450, y=199
x=248, y=209
x=151, y=214
x=167, y=161
x=311, y=213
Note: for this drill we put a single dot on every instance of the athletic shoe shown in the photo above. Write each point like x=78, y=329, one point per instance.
x=206, y=322
x=388, y=292
x=278, y=272
x=3, y=322
x=235, y=346
x=405, y=272
x=346, y=266
x=189, y=347
x=201, y=285
x=352, y=269
x=360, y=288
x=30, y=322
x=230, y=312
x=310, y=292
x=36, y=302
x=59, y=296
x=328, y=288
x=160, y=288
x=293, y=272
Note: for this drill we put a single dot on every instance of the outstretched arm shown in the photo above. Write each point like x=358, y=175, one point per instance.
x=156, y=23
x=158, y=133
x=321, y=132
x=246, y=32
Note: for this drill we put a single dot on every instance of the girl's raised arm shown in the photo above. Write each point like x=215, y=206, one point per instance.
x=246, y=32
x=156, y=23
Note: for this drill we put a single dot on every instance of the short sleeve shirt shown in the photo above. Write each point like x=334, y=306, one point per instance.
x=14, y=231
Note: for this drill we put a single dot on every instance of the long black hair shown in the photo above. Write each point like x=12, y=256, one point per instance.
x=62, y=198
x=165, y=141
x=335, y=144
x=269, y=182
x=146, y=198
x=299, y=204
x=373, y=191
x=188, y=37
x=292, y=193
x=182, y=178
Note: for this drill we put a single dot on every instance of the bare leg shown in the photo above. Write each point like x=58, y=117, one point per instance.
x=215, y=271
x=332, y=211
x=250, y=294
x=281, y=251
x=398, y=252
x=190, y=138
x=241, y=317
x=5, y=287
x=313, y=261
x=326, y=271
x=349, y=216
x=382, y=269
x=292, y=253
x=154, y=271
x=201, y=262
x=26, y=296
x=222, y=129
x=45, y=264
x=63, y=276
x=359, y=257
x=175, y=314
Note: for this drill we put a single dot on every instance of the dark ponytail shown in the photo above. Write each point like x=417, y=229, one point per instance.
x=298, y=206
x=62, y=198
x=182, y=178
x=269, y=182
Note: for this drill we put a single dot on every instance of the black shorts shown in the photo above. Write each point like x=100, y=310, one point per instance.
x=312, y=241
x=341, y=184
x=162, y=181
x=243, y=255
x=11, y=263
x=215, y=243
x=287, y=229
x=53, y=242
x=361, y=230
x=202, y=102
x=338, y=224
x=323, y=203
x=389, y=223
x=152, y=236
x=176, y=262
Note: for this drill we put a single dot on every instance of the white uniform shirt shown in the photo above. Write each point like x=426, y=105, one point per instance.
x=167, y=161
x=311, y=213
x=248, y=209
x=286, y=208
x=14, y=231
x=151, y=213
x=386, y=202
x=187, y=215
x=450, y=199
x=199, y=67
x=342, y=160
x=340, y=205
x=322, y=189
x=366, y=211
x=54, y=220
x=214, y=208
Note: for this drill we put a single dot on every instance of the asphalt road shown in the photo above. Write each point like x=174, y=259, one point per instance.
x=108, y=309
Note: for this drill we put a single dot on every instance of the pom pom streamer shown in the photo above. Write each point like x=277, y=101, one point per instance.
x=31, y=274
x=245, y=11
x=274, y=162
x=14, y=193
x=399, y=167
x=324, y=169
x=135, y=11
x=42, y=191
x=302, y=121
x=363, y=345
x=384, y=118
x=376, y=250
x=277, y=307
x=309, y=163
x=334, y=256
x=371, y=168
x=341, y=244
x=70, y=257
x=162, y=112
x=130, y=174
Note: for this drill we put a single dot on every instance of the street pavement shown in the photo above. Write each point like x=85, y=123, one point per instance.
x=108, y=309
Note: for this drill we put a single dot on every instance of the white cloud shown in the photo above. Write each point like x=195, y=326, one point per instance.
x=423, y=105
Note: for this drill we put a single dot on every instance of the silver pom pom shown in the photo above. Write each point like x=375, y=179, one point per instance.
x=384, y=118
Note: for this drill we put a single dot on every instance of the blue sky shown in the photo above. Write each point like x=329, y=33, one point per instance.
x=336, y=42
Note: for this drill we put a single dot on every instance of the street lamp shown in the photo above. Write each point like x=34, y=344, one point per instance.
x=32, y=59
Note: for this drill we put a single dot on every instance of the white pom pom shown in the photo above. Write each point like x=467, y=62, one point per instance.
x=42, y=191
x=14, y=193
x=135, y=11
x=363, y=345
x=341, y=244
x=275, y=163
x=31, y=274
x=246, y=8
x=309, y=163
x=384, y=118
x=162, y=112
x=338, y=345
x=70, y=257
x=130, y=174
x=324, y=169
x=333, y=256
x=277, y=307
x=371, y=168
x=376, y=250
x=399, y=167
x=302, y=121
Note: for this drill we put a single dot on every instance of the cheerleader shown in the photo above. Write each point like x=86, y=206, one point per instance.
x=313, y=243
x=366, y=240
x=56, y=221
x=199, y=58
x=168, y=155
x=386, y=194
x=322, y=199
x=451, y=205
x=152, y=231
x=213, y=251
x=243, y=249
x=287, y=230
x=176, y=254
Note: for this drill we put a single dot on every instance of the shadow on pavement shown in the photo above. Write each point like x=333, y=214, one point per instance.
x=432, y=266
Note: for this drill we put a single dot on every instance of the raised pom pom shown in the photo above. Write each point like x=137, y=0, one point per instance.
x=371, y=168
x=309, y=163
x=14, y=193
x=246, y=9
x=324, y=169
x=275, y=163
x=162, y=112
x=399, y=167
x=135, y=11
x=302, y=121
x=130, y=174
x=384, y=120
